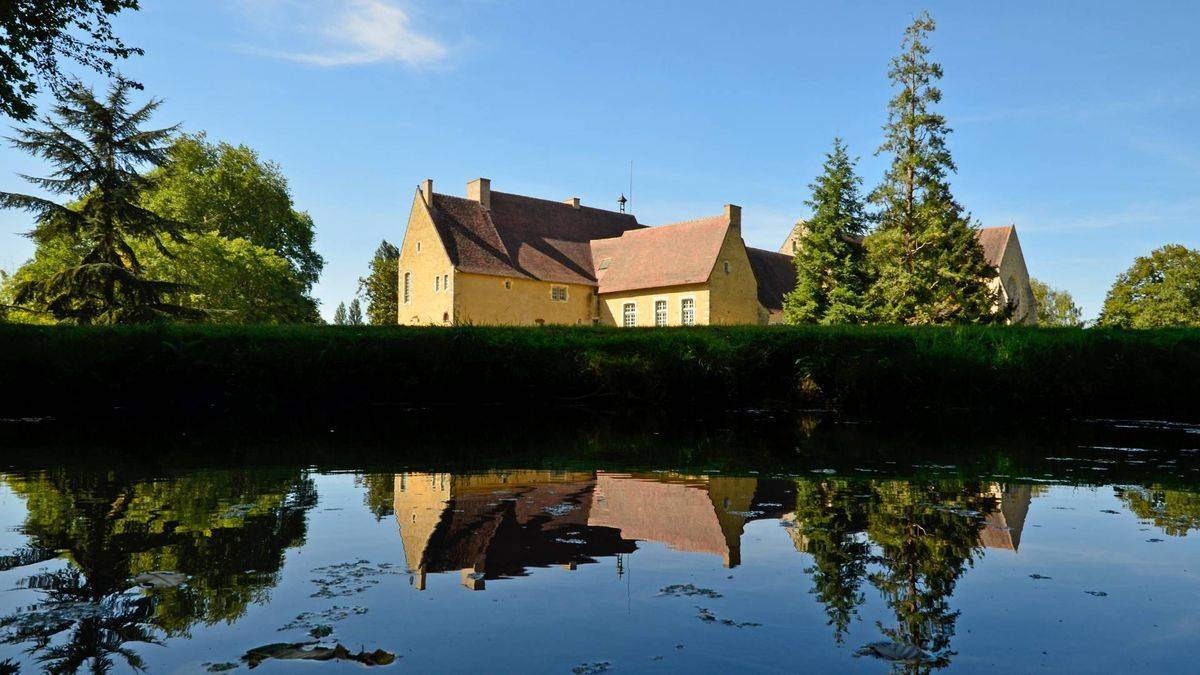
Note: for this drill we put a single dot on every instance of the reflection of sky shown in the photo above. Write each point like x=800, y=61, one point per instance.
x=555, y=618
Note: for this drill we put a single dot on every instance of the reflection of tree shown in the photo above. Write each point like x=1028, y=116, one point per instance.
x=380, y=493
x=922, y=536
x=829, y=516
x=1175, y=511
x=927, y=533
x=226, y=530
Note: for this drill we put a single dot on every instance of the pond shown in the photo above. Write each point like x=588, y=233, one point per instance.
x=770, y=545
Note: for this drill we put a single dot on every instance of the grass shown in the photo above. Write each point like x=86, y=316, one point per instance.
x=876, y=372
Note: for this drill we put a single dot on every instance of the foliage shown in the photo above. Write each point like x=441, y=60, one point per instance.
x=1055, y=307
x=1176, y=512
x=831, y=276
x=354, y=314
x=927, y=262
x=37, y=33
x=1158, y=290
x=381, y=286
x=1021, y=371
x=829, y=514
x=228, y=189
x=99, y=168
x=339, y=315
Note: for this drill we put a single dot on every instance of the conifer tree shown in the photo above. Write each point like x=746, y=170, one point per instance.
x=354, y=316
x=98, y=166
x=831, y=282
x=927, y=262
x=382, y=286
x=339, y=315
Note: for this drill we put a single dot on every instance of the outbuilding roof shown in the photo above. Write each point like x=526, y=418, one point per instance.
x=655, y=257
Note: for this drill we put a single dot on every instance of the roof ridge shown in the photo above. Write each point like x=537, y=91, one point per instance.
x=560, y=203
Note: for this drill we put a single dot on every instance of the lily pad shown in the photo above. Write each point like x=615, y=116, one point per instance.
x=159, y=580
x=896, y=652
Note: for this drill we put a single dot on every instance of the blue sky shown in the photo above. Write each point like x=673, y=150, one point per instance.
x=1077, y=121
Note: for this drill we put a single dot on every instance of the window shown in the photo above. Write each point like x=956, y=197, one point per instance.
x=418, y=247
x=507, y=284
x=437, y=284
x=407, y=287
x=445, y=282
x=660, y=312
x=629, y=315
x=687, y=308
x=558, y=293
x=727, y=269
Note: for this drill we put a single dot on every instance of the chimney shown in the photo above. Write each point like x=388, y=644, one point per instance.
x=733, y=213
x=480, y=190
x=573, y=201
x=426, y=189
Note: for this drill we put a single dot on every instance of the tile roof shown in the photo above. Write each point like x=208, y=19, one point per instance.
x=994, y=240
x=776, y=276
x=524, y=236
x=654, y=257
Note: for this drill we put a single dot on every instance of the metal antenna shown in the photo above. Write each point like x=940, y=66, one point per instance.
x=631, y=185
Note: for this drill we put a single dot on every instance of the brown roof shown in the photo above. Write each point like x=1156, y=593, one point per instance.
x=994, y=240
x=524, y=236
x=776, y=276
x=654, y=257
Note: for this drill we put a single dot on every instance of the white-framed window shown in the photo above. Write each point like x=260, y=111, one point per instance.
x=437, y=284
x=407, y=287
x=728, y=269
x=660, y=312
x=687, y=311
x=558, y=293
x=629, y=315
x=445, y=282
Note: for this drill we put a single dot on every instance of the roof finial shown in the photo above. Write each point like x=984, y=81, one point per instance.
x=621, y=201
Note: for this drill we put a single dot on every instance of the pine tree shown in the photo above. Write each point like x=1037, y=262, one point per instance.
x=339, y=315
x=354, y=318
x=927, y=262
x=830, y=267
x=382, y=286
x=98, y=167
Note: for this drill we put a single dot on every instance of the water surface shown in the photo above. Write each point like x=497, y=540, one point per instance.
x=735, y=549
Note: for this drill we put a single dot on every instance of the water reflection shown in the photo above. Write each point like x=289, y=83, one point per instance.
x=224, y=530
x=902, y=542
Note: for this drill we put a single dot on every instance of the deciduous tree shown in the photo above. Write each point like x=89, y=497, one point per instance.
x=831, y=279
x=928, y=265
x=381, y=286
x=1055, y=307
x=38, y=33
x=1158, y=290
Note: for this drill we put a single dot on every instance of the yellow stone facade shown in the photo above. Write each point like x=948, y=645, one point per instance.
x=424, y=269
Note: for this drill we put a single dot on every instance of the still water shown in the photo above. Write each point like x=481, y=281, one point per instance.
x=733, y=550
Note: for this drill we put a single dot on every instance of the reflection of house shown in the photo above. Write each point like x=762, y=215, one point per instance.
x=496, y=525
x=1002, y=527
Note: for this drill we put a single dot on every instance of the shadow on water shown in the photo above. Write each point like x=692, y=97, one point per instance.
x=898, y=514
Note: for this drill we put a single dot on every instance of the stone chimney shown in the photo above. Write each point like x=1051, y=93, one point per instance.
x=480, y=190
x=573, y=201
x=733, y=213
x=427, y=191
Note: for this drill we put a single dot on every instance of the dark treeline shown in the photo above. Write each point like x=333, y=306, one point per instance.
x=876, y=372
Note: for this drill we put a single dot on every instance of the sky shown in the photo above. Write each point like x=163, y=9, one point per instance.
x=1079, y=122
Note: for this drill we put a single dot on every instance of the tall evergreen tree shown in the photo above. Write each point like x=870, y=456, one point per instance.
x=354, y=316
x=928, y=264
x=382, y=286
x=831, y=280
x=98, y=166
x=339, y=315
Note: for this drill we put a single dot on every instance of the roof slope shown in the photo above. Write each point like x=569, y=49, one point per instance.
x=654, y=257
x=776, y=276
x=524, y=236
x=994, y=240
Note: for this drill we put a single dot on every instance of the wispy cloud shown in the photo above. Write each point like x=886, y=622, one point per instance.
x=332, y=33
